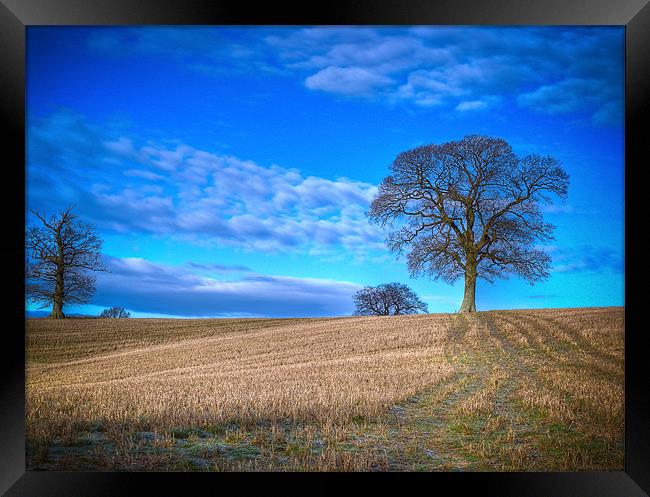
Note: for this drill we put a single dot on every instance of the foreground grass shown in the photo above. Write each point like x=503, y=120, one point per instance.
x=506, y=390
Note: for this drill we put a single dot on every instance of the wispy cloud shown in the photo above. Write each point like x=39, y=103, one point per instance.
x=218, y=268
x=471, y=105
x=211, y=50
x=588, y=258
x=141, y=173
x=572, y=95
x=483, y=103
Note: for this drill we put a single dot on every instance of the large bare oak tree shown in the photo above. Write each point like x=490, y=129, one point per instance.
x=60, y=255
x=469, y=208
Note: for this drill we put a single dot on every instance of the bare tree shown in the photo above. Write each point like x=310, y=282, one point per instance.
x=115, y=312
x=387, y=299
x=470, y=208
x=60, y=255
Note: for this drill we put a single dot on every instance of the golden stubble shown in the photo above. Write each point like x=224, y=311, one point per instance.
x=504, y=390
x=215, y=371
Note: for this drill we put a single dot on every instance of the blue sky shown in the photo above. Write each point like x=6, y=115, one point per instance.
x=229, y=169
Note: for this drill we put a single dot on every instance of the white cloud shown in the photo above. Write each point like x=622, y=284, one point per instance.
x=198, y=196
x=346, y=80
x=424, y=65
x=552, y=70
x=471, y=105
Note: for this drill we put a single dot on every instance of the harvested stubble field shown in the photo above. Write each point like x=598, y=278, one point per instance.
x=526, y=390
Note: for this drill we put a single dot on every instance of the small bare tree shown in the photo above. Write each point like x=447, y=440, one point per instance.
x=60, y=254
x=387, y=299
x=115, y=312
x=470, y=208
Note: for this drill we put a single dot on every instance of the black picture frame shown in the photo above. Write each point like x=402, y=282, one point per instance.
x=16, y=15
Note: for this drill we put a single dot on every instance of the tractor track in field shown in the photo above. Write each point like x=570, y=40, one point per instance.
x=425, y=422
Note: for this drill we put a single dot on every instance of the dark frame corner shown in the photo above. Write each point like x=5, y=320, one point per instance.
x=16, y=15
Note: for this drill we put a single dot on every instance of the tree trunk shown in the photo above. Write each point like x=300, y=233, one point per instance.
x=57, y=302
x=469, y=299
x=57, y=311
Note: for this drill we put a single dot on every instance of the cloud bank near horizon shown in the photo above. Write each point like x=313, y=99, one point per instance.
x=148, y=287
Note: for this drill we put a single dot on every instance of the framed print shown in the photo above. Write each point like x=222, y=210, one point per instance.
x=351, y=238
